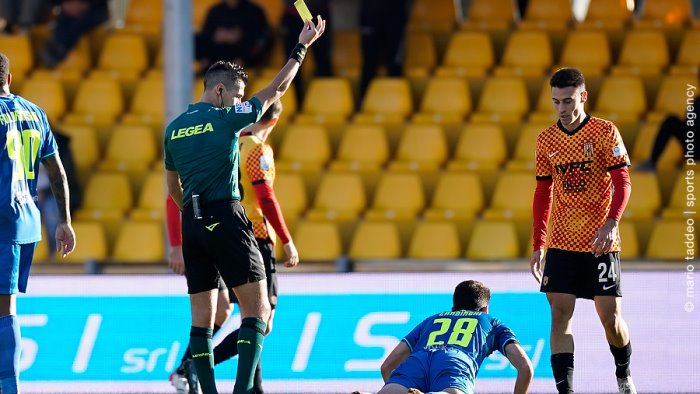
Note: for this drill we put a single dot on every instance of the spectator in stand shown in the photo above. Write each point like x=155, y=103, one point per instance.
x=20, y=16
x=674, y=127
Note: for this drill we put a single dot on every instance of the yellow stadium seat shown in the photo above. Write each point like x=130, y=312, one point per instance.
x=124, y=56
x=41, y=252
x=432, y=15
x=84, y=148
x=481, y=146
x=273, y=10
x=304, y=148
x=91, y=243
x=544, y=110
x=340, y=196
x=398, y=196
x=363, y=147
x=608, y=14
x=346, y=55
x=434, y=241
x=670, y=99
x=375, y=240
x=421, y=55
x=458, y=196
x=468, y=54
x=148, y=104
x=107, y=195
x=131, y=149
x=528, y=53
x=318, y=240
x=289, y=101
x=645, y=201
x=97, y=102
x=140, y=242
x=327, y=101
x=18, y=49
x=503, y=99
x=660, y=13
x=77, y=62
x=151, y=201
x=388, y=100
x=446, y=100
x=493, y=240
x=491, y=15
x=621, y=99
x=291, y=194
x=48, y=94
x=145, y=17
x=547, y=14
x=678, y=203
x=688, y=55
x=524, y=157
x=645, y=141
x=644, y=52
x=504, y=204
x=667, y=241
x=587, y=50
x=422, y=147
x=200, y=8
x=629, y=240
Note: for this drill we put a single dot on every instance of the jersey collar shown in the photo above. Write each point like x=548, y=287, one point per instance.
x=574, y=131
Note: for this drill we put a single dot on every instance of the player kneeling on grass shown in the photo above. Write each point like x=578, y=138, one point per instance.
x=443, y=353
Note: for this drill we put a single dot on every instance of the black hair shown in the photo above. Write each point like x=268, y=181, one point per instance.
x=224, y=72
x=566, y=77
x=470, y=295
x=4, y=69
x=273, y=112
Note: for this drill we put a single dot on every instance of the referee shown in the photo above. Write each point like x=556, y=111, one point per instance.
x=201, y=162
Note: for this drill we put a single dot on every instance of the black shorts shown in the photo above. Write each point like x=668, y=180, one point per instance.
x=221, y=244
x=267, y=249
x=581, y=274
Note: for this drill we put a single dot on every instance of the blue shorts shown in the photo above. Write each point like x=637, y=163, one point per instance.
x=15, y=262
x=436, y=370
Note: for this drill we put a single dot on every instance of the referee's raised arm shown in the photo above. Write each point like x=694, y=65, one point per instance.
x=279, y=85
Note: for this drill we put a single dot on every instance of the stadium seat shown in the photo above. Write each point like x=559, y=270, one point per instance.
x=48, y=94
x=398, y=196
x=544, y=110
x=200, y=8
x=665, y=13
x=667, y=241
x=421, y=55
x=434, y=241
x=124, y=56
x=629, y=240
x=273, y=10
x=363, y=147
x=151, y=201
x=432, y=15
x=318, y=240
x=97, y=102
x=644, y=52
x=688, y=58
x=645, y=141
x=388, y=100
x=490, y=15
x=84, y=148
x=346, y=55
x=645, y=201
x=91, y=245
x=291, y=194
x=524, y=157
x=528, y=53
x=327, y=101
x=18, y=49
x=588, y=50
x=340, y=196
x=458, y=196
x=304, y=148
x=493, y=240
x=607, y=14
x=375, y=240
x=621, y=99
x=131, y=149
x=512, y=197
x=148, y=104
x=547, y=14
x=670, y=99
x=503, y=99
x=481, y=146
x=446, y=100
x=422, y=147
x=145, y=17
x=107, y=196
x=468, y=54
x=678, y=203
x=140, y=242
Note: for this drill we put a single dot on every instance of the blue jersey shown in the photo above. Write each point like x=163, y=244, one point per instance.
x=26, y=138
x=474, y=333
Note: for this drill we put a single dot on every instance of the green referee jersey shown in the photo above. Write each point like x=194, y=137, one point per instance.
x=201, y=145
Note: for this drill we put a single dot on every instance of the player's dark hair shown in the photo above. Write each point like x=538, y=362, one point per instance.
x=224, y=72
x=4, y=68
x=470, y=295
x=273, y=112
x=566, y=77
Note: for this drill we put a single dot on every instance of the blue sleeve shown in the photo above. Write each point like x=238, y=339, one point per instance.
x=48, y=143
x=502, y=336
x=244, y=114
x=412, y=338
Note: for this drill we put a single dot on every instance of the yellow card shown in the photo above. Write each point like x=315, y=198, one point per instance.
x=303, y=10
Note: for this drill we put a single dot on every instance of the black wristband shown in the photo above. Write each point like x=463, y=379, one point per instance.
x=298, y=53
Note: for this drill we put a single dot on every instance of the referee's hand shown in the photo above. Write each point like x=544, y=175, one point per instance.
x=536, y=264
x=292, y=255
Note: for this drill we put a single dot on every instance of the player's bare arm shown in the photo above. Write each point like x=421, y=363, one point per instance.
x=272, y=92
x=394, y=359
x=65, y=237
x=521, y=362
x=172, y=179
x=605, y=236
x=536, y=264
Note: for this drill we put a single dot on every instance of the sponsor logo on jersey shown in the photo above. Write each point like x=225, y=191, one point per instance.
x=190, y=131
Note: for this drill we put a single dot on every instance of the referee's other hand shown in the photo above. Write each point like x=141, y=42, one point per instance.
x=175, y=261
x=536, y=264
x=292, y=255
x=310, y=32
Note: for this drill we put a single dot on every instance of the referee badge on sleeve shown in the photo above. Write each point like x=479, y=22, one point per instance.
x=243, y=108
